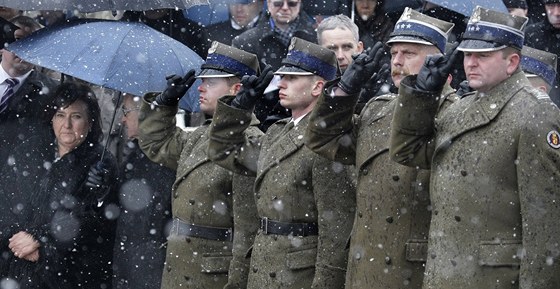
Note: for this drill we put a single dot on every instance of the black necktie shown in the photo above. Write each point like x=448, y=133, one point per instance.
x=12, y=82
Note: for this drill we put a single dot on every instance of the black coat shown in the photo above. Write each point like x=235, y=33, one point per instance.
x=145, y=198
x=545, y=37
x=262, y=41
x=73, y=225
x=27, y=114
x=223, y=32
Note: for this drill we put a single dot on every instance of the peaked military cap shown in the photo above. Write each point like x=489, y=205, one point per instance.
x=490, y=30
x=307, y=58
x=227, y=61
x=539, y=63
x=415, y=27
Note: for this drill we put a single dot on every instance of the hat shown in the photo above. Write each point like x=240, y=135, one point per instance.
x=227, y=61
x=306, y=58
x=550, y=1
x=536, y=62
x=516, y=4
x=415, y=27
x=489, y=30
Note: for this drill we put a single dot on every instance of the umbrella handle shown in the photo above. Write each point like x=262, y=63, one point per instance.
x=106, y=145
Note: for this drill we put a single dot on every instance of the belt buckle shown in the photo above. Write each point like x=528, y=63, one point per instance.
x=264, y=225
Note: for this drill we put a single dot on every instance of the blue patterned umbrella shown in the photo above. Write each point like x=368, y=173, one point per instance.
x=124, y=56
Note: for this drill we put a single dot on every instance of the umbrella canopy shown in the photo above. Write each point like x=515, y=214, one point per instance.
x=466, y=7
x=124, y=56
x=100, y=5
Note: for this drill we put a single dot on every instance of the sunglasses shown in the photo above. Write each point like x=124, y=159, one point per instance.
x=126, y=111
x=279, y=4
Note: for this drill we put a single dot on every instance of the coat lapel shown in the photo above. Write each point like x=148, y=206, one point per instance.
x=477, y=110
x=281, y=146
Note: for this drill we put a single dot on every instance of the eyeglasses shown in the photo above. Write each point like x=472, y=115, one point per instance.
x=126, y=111
x=279, y=4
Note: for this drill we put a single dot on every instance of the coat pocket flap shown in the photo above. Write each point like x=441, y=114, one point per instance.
x=416, y=250
x=499, y=254
x=215, y=264
x=301, y=259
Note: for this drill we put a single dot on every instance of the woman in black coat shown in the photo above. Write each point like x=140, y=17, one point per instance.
x=63, y=232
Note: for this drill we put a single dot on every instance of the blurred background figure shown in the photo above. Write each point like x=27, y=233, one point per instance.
x=372, y=22
x=517, y=7
x=171, y=22
x=546, y=36
x=243, y=14
x=539, y=67
x=321, y=9
x=24, y=96
x=62, y=229
x=145, y=199
x=9, y=13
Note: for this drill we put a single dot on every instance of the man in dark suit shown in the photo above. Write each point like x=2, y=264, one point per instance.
x=24, y=101
x=243, y=15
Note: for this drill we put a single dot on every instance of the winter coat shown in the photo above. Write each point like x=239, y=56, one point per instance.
x=223, y=32
x=374, y=29
x=28, y=113
x=262, y=40
x=293, y=185
x=201, y=195
x=144, y=221
x=494, y=160
x=74, y=226
x=545, y=37
x=390, y=233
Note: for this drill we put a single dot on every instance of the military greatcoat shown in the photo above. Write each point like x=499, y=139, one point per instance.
x=389, y=238
x=201, y=195
x=495, y=166
x=293, y=185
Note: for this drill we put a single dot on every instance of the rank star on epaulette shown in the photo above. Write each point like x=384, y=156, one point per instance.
x=553, y=139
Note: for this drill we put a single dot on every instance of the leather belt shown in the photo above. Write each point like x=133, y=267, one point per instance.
x=282, y=228
x=181, y=228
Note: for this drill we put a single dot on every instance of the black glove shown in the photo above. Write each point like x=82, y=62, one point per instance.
x=433, y=74
x=97, y=178
x=361, y=69
x=252, y=89
x=378, y=80
x=176, y=87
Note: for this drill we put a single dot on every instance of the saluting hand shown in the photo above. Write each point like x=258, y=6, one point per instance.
x=362, y=69
x=435, y=71
x=177, y=86
x=252, y=88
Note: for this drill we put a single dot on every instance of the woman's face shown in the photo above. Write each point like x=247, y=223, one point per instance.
x=71, y=125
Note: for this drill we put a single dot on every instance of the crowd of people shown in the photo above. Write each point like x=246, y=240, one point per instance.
x=351, y=149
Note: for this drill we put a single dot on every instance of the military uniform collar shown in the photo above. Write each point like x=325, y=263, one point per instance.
x=494, y=100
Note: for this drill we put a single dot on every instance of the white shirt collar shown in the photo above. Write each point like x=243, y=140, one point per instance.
x=4, y=75
x=249, y=25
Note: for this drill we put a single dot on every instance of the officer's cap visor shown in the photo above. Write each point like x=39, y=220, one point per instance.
x=208, y=72
x=292, y=70
x=473, y=45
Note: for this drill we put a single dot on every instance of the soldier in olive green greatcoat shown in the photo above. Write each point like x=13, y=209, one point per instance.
x=305, y=201
x=539, y=67
x=495, y=163
x=389, y=237
x=199, y=248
